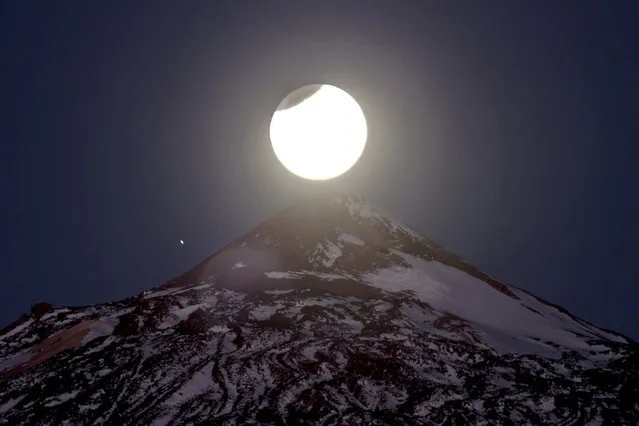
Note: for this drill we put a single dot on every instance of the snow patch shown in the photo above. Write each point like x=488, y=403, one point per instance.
x=160, y=293
x=382, y=307
x=197, y=287
x=264, y=312
x=199, y=383
x=62, y=398
x=366, y=210
x=10, y=404
x=328, y=251
x=88, y=407
x=308, y=352
x=327, y=301
x=276, y=292
x=103, y=372
x=350, y=239
x=17, y=330
x=102, y=345
x=28, y=340
x=501, y=317
x=178, y=315
x=98, y=329
x=280, y=275
x=239, y=265
x=355, y=325
x=171, y=291
x=54, y=313
x=301, y=274
x=362, y=209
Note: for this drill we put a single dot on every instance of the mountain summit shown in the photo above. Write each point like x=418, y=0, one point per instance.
x=328, y=313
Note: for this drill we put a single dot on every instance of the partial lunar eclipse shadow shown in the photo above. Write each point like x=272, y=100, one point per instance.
x=296, y=97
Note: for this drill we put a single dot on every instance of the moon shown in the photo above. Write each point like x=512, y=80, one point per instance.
x=318, y=132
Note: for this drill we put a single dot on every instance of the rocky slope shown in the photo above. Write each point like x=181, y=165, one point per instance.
x=328, y=313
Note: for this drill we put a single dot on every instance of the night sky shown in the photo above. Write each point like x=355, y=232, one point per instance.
x=506, y=131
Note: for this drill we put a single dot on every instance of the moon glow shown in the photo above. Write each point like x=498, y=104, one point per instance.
x=318, y=132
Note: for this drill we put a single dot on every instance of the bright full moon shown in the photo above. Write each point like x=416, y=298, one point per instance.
x=318, y=132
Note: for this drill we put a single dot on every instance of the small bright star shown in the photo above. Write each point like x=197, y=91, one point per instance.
x=182, y=242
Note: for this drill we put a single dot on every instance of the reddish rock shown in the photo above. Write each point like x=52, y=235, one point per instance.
x=40, y=309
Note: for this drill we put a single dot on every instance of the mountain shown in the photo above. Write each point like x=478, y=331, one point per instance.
x=328, y=313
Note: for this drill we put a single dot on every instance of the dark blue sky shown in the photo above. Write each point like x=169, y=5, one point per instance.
x=506, y=131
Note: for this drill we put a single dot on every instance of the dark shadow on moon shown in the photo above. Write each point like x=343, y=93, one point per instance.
x=298, y=96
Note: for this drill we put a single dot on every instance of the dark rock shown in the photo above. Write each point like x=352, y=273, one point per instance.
x=128, y=325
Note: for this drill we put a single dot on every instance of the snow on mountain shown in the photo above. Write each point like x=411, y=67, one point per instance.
x=328, y=313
